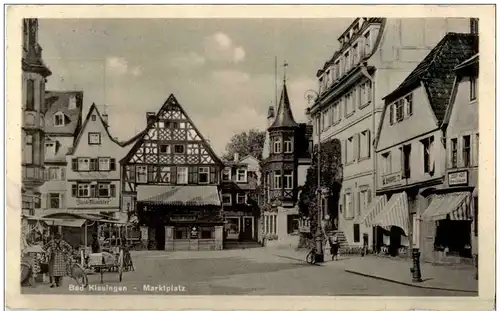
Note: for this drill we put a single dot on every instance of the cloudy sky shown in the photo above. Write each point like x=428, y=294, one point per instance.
x=220, y=70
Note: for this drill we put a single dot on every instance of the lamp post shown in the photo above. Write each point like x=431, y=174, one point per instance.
x=415, y=270
x=311, y=95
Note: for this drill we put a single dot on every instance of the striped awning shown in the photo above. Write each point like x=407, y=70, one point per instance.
x=179, y=195
x=455, y=205
x=395, y=213
x=374, y=208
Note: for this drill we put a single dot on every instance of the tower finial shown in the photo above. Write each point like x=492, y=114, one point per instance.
x=285, y=64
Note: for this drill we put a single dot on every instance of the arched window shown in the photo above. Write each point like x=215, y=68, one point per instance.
x=277, y=145
x=59, y=119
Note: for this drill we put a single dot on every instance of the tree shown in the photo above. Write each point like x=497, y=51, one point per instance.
x=246, y=143
x=331, y=180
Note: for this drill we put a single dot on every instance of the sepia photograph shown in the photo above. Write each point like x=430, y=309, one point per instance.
x=250, y=157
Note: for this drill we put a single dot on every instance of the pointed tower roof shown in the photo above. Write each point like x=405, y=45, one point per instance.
x=284, y=117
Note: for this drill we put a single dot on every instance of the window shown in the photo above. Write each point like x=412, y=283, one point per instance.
x=83, y=190
x=83, y=164
x=466, y=152
x=171, y=125
x=181, y=233
x=473, y=88
x=59, y=119
x=386, y=163
x=104, y=164
x=226, y=199
x=288, y=146
x=94, y=117
x=288, y=179
x=54, y=173
x=350, y=150
x=349, y=213
x=337, y=70
x=103, y=190
x=477, y=148
x=327, y=79
x=476, y=215
x=277, y=180
x=355, y=54
x=207, y=232
x=427, y=144
x=406, y=150
x=277, y=145
x=226, y=174
x=54, y=200
x=347, y=62
x=241, y=175
x=356, y=233
x=28, y=150
x=454, y=150
x=179, y=149
x=30, y=94
x=165, y=149
x=182, y=175
x=364, y=200
x=292, y=224
x=400, y=110
x=165, y=174
x=203, y=177
x=94, y=165
x=241, y=198
x=349, y=104
x=368, y=43
x=364, y=145
x=94, y=138
x=408, y=104
x=141, y=174
x=336, y=112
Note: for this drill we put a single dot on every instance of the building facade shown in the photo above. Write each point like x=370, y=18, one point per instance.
x=284, y=167
x=170, y=180
x=33, y=105
x=239, y=184
x=93, y=173
x=375, y=55
x=63, y=122
x=411, y=151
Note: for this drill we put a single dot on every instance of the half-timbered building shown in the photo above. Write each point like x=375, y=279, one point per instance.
x=170, y=181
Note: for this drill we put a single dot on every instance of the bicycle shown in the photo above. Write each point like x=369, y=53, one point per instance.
x=311, y=256
x=77, y=272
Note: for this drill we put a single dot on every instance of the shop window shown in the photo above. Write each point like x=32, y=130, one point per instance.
x=356, y=233
x=181, y=233
x=207, y=233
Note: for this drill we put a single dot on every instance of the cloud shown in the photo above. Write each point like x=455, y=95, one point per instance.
x=220, y=48
x=120, y=66
x=190, y=60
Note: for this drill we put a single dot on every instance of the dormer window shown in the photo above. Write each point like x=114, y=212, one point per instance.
x=401, y=109
x=347, y=61
x=241, y=175
x=59, y=119
x=226, y=174
x=277, y=145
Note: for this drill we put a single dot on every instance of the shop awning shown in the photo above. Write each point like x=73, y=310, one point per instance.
x=455, y=205
x=395, y=213
x=75, y=223
x=374, y=208
x=179, y=195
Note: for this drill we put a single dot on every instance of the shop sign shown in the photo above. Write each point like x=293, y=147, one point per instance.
x=390, y=179
x=183, y=218
x=93, y=201
x=458, y=178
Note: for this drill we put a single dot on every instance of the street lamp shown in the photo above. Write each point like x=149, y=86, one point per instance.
x=311, y=96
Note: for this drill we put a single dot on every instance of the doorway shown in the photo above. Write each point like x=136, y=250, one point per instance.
x=160, y=237
x=247, y=228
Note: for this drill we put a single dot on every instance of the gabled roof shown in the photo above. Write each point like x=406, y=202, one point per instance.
x=139, y=137
x=436, y=71
x=58, y=101
x=106, y=128
x=284, y=117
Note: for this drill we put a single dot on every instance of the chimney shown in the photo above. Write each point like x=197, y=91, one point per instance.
x=236, y=157
x=105, y=119
x=150, y=117
x=270, y=116
x=72, y=102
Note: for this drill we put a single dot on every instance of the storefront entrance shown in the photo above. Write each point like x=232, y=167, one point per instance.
x=160, y=237
x=247, y=233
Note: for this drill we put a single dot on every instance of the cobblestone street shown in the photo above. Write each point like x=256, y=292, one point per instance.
x=258, y=271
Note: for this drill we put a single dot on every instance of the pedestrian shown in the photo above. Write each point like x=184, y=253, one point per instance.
x=59, y=251
x=334, y=246
x=96, y=246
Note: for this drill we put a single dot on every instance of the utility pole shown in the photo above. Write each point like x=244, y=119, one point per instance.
x=319, y=232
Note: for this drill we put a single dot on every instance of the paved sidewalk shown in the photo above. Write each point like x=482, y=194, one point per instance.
x=453, y=278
